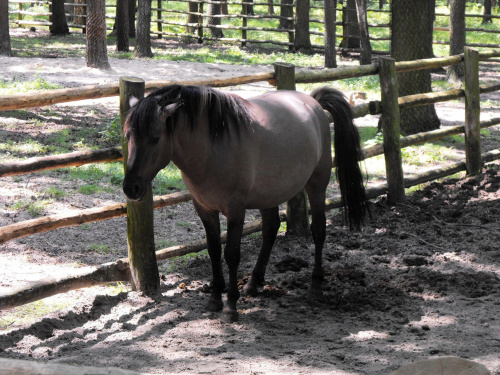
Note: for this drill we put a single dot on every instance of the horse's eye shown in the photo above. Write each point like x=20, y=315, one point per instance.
x=155, y=140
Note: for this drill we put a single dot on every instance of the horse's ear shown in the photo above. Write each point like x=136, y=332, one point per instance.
x=168, y=110
x=132, y=101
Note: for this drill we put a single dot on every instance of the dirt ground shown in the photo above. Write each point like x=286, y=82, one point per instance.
x=421, y=280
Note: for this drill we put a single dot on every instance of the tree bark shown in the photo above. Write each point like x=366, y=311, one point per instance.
x=302, y=35
x=80, y=11
x=192, y=18
x=143, y=38
x=5, y=49
x=131, y=17
x=285, y=11
x=330, y=31
x=457, y=39
x=214, y=10
x=121, y=22
x=97, y=54
x=366, y=49
x=410, y=19
x=487, y=11
x=350, y=33
x=59, y=25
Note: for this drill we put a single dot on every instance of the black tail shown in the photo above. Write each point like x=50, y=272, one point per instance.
x=347, y=153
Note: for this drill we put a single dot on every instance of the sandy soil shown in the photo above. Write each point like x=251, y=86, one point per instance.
x=421, y=280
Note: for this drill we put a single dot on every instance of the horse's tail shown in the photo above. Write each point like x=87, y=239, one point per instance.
x=347, y=154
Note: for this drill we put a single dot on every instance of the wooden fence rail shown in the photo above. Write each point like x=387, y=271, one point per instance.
x=120, y=270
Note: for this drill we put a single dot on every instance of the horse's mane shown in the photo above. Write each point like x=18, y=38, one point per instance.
x=224, y=111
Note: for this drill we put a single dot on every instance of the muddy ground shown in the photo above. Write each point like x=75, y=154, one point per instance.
x=421, y=280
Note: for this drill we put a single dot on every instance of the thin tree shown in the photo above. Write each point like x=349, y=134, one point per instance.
x=487, y=11
x=97, y=53
x=302, y=34
x=411, y=39
x=365, y=57
x=59, y=24
x=457, y=39
x=330, y=33
x=192, y=18
x=214, y=10
x=350, y=34
x=286, y=11
x=143, y=37
x=131, y=17
x=121, y=22
x=5, y=49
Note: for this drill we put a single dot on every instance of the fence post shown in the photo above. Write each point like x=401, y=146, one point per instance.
x=140, y=231
x=297, y=221
x=159, y=24
x=391, y=130
x=200, y=23
x=472, y=112
x=244, y=23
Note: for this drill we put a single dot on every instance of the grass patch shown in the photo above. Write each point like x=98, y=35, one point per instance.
x=181, y=262
x=54, y=192
x=29, y=313
x=99, y=249
x=22, y=86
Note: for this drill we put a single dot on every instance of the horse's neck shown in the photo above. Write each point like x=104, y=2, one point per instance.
x=191, y=148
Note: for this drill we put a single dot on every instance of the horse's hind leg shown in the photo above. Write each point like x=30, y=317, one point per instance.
x=316, y=194
x=270, y=227
x=212, y=229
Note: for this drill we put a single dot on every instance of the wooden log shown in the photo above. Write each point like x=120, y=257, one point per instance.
x=296, y=208
x=46, y=223
x=140, y=218
x=313, y=76
x=391, y=129
x=406, y=66
x=49, y=97
x=73, y=159
x=472, y=112
x=22, y=367
x=429, y=98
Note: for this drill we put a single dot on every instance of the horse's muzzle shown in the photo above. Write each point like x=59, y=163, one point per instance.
x=134, y=190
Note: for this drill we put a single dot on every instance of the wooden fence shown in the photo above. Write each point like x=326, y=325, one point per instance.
x=388, y=107
x=174, y=19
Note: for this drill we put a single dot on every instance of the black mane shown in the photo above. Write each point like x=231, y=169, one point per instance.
x=225, y=111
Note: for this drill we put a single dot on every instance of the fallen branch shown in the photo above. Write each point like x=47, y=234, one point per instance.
x=467, y=225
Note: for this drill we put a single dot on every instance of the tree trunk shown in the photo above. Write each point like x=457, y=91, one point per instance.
x=79, y=11
x=350, y=33
x=330, y=37
x=131, y=17
x=5, y=49
x=286, y=11
x=214, y=10
x=121, y=22
x=410, y=19
x=366, y=49
x=97, y=54
x=59, y=25
x=270, y=7
x=223, y=7
x=143, y=38
x=457, y=39
x=487, y=11
x=192, y=18
x=302, y=35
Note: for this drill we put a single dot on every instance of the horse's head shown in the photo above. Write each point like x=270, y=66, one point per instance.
x=149, y=144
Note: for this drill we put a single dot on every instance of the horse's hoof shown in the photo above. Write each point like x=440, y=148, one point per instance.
x=229, y=316
x=250, y=290
x=214, y=305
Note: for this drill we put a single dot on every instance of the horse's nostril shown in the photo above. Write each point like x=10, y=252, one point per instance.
x=132, y=190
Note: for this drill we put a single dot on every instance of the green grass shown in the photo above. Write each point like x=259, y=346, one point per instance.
x=29, y=313
x=55, y=192
x=34, y=208
x=181, y=262
x=21, y=86
x=99, y=249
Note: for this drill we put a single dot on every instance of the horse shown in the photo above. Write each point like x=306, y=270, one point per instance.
x=236, y=154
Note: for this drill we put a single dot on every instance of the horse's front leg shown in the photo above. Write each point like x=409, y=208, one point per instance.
x=232, y=257
x=211, y=223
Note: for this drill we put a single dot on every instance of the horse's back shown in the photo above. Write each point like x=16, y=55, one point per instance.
x=291, y=140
